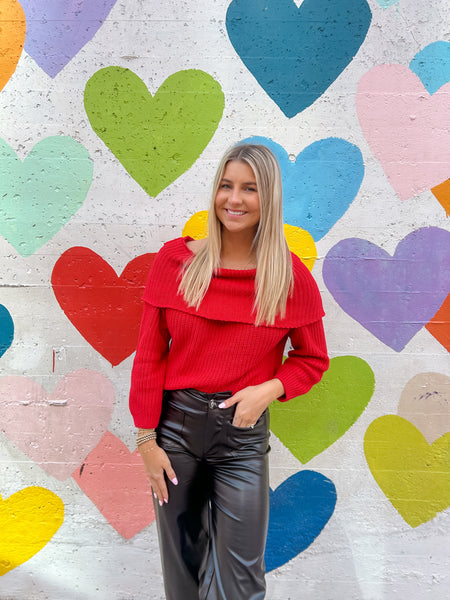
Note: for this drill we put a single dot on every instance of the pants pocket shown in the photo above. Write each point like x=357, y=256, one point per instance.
x=250, y=440
x=171, y=424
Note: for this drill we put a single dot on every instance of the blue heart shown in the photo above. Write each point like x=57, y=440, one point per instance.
x=6, y=329
x=299, y=509
x=320, y=186
x=296, y=53
x=432, y=65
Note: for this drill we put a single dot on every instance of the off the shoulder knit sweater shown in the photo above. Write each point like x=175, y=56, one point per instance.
x=218, y=347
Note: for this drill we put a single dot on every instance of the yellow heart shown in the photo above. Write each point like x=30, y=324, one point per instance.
x=197, y=226
x=414, y=475
x=28, y=520
x=300, y=242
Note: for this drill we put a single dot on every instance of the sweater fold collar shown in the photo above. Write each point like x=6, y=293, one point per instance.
x=231, y=293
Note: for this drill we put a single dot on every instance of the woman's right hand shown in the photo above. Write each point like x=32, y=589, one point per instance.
x=157, y=464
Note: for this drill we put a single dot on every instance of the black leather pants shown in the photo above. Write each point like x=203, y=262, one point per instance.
x=212, y=532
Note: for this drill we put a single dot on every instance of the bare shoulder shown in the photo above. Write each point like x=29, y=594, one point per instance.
x=195, y=245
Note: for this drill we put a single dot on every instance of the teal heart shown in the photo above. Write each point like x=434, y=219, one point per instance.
x=296, y=52
x=309, y=424
x=156, y=138
x=39, y=195
x=6, y=329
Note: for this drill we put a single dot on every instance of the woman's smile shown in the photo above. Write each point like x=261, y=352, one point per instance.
x=236, y=213
x=237, y=199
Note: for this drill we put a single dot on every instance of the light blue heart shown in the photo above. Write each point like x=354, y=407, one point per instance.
x=432, y=65
x=387, y=3
x=320, y=185
x=296, y=53
x=6, y=329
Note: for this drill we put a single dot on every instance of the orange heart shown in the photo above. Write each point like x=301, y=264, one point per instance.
x=442, y=194
x=439, y=326
x=12, y=38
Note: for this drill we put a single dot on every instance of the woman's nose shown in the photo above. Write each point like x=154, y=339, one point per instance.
x=234, y=197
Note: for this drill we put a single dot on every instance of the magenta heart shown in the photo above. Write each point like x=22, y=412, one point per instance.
x=115, y=480
x=58, y=29
x=391, y=296
x=57, y=430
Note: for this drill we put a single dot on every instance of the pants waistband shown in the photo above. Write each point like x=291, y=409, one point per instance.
x=205, y=397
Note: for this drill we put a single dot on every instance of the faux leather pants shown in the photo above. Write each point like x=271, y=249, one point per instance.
x=212, y=532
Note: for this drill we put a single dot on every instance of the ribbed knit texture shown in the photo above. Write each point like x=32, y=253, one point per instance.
x=218, y=347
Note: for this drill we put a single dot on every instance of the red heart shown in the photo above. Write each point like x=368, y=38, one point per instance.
x=439, y=326
x=106, y=309
x=115, y=480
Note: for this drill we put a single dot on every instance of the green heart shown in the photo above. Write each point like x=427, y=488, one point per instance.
x=40, y=194
x=155, y=138
x=310, y=423
x=414, y=475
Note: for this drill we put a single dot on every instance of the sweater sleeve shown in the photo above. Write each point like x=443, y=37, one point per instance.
x=306, y=362
x=149, y=368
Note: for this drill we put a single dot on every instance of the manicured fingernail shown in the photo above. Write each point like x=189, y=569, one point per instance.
x=222, y=405
x=166, y=501
x=160, y=503
x=154, y=495
x=175, y=481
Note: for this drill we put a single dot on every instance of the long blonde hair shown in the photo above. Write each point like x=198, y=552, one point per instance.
x=274, y=279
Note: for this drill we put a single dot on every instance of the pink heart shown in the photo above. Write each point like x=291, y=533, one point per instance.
x=406, y=128
x=115, y=480
x=56, y=430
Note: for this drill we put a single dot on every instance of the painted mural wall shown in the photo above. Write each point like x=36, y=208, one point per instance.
x=113, y=115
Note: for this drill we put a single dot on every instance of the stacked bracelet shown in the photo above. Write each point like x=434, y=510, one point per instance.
x=141, y=439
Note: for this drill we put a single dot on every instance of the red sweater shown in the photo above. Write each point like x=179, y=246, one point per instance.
x=218, y=347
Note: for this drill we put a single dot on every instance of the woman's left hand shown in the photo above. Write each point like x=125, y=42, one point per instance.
x=252, y=401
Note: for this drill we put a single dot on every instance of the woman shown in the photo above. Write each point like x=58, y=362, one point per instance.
x=217, y=315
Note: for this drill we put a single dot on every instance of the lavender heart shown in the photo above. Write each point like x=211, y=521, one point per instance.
x=391, y=296
x=57, y=29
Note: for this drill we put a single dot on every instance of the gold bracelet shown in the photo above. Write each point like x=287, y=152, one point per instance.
x=141, y=439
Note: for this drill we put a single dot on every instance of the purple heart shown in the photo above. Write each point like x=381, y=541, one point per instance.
x=391, y=296
x=58, y=29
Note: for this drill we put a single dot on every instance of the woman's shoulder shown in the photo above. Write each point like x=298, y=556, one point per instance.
x=304, y=283
x=299, y=269
x=195, y=245
x=182, y=246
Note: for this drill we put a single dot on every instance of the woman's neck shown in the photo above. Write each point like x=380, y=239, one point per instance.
x=237, y=253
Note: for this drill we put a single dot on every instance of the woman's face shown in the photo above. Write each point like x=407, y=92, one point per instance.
x=237, y=200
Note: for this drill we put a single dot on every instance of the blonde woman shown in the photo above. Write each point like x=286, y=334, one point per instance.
x=217, y=316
